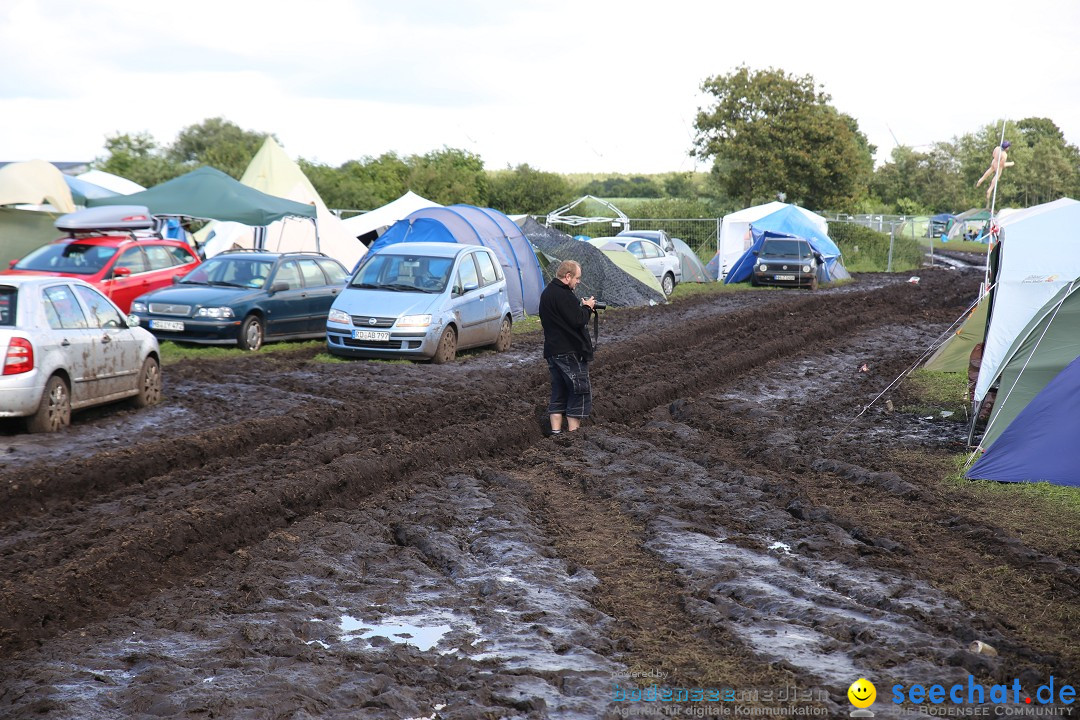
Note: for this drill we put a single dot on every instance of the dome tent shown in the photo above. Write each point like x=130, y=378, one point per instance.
x=477, y=226
x=792, y=222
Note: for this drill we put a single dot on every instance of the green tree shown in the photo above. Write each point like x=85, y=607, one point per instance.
x=525, y=190
x=218, y=143
x=138, y=158
x=360, y=184
x=449, y=176
x=771, y=134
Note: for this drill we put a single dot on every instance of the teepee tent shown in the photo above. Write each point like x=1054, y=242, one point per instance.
x=368, y=226
x=35, y=182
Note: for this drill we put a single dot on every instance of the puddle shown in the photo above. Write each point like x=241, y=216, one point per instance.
x=423, y=638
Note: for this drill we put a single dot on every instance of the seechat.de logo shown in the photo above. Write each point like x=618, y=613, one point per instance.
x=862, y=694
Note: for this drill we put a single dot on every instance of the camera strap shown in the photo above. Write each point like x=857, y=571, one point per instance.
x=595, y=328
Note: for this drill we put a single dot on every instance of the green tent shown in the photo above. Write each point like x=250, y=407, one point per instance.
x=24, y=230
x=210, y=194
x=625, y=261
x=954, y=354
x=1042, y=350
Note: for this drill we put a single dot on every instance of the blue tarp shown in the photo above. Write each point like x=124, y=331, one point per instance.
x=1040, y=444
x=477, y=226
x=789, y=222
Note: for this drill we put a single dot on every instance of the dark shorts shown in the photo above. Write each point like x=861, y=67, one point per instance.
x=571, y=392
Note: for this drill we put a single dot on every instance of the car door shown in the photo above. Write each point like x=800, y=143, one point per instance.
x=494, y=293
x=468, y=302
x=164, y=264
x=640, y=250
x=116, y=349
x=72, y=337
x=286, y=305
x=134, y=279
x=319, y=295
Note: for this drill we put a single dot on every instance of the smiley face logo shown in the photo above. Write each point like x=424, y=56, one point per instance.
x=862, y=693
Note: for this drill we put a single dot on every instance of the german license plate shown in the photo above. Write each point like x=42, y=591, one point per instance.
x=172, y=325
x=370, y=335
x=785, y=277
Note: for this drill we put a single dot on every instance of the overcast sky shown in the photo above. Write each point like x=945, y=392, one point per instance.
x=563, y=86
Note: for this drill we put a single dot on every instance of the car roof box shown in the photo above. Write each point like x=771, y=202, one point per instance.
x=107, y=217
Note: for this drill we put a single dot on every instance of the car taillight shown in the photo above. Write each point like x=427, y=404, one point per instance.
x=20, y=357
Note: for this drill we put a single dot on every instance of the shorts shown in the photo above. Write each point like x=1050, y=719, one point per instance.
x=571, y=392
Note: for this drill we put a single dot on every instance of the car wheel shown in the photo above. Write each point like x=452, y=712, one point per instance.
x=447, y=349
x=149, y=384
x=502, y=343
x=753, y=280
x=54, y=412
x=668, y=283
x=251, y=334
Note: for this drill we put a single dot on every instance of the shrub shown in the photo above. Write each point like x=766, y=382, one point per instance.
x=867, y=250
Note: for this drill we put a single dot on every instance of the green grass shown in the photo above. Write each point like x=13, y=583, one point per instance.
x=933, y=393
x=172, y=352
x=968, y=247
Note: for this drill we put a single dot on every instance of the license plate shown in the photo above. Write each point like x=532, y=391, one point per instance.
x=370, y=335
x=172, y=325
x=785, y=277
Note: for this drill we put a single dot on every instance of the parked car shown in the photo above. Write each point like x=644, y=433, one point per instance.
x=66, y=347
x=659, y=237
x=787, y=262
x=113, y=249
x=424, y=301
x=246, y=298
x=665, y=266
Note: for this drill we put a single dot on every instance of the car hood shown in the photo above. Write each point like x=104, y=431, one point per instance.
x=387, y=303
x=205, y=295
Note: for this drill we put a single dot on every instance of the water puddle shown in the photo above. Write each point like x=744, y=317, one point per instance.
x=423, y=638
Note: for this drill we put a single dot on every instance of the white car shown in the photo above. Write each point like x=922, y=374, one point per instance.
x=665, y=266
x=66, y=346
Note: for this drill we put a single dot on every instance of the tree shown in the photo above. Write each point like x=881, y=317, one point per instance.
x=360, y=184
x=138, y=158
x=449, y=176
x=218, y=143
x=771, y=134
x=524, y=190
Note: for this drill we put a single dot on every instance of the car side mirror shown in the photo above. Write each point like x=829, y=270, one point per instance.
x=11, y=263
x=121, y=272
x=278, y=287
x=469, y=287
x=175, y=279
x=133, y=320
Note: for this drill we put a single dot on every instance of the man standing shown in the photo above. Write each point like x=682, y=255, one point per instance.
x=567, y=347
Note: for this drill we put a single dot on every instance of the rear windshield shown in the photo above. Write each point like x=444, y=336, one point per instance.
x=8, y=296
x=785, y=248
x=73, y=258
x=407, y=273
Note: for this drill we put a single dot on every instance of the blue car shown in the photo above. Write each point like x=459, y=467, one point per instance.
x=245, y=298
x=421, y=300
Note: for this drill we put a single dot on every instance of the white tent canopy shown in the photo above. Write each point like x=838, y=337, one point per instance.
x=1040, y=253
x=735, y=238
x=111, y=182
x=383, y=217
x=35, y=183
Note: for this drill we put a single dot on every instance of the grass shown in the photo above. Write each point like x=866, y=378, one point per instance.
x=934, y=393
x=172, y=352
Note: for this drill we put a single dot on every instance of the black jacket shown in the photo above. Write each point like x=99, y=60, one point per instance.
x=565, y=321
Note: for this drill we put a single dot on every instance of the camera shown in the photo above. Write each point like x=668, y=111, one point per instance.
x=600, y=305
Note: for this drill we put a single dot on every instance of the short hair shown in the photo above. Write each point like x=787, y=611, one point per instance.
x=568, y=266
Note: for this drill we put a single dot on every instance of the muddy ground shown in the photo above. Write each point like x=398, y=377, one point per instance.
x=284, y=538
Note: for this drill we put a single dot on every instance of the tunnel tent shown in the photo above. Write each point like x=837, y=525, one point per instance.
x=477, y=226
x=600, y=277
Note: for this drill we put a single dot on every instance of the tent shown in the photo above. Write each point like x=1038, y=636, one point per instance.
x=24, y=230
x=1038, y=254
x=954, y=354
x=368, y=226
x=1040, y=443
x=789, y=221
x=210, y=194
x=477, y=226
x=693, y=270
x=939, y=224
x=625, y=261
x=273, y=172
x=35, y=182
x=600, y=277
x=735, y=239
x=972, y=219
x=83, y=189
x=119, y=185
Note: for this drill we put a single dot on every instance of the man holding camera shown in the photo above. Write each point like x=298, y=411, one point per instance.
x=567, y=347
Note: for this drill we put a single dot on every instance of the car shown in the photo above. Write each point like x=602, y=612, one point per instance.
x=246, y=298
x=66, y=347
x=786, y=262
x=423, y=300
x=659, y=237
x=112, y=248
x=665, y=266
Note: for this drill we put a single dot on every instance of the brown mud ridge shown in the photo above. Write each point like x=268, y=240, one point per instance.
x=289, y=538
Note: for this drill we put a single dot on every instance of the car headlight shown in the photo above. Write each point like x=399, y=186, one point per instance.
x=806, y=268
x=338, y=316
x=215, y=312
x=138, y=307
x=417, y=321
x=763, y=267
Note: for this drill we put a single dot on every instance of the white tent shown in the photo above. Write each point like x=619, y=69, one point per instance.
x=1040, y=253
x=735, y=239
x=35, y=185
x=111, y=182
x=383, y=217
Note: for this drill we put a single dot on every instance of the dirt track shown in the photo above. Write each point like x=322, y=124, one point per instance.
x=285, y=538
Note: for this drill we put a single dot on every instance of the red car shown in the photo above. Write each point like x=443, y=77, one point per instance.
x=123, y=265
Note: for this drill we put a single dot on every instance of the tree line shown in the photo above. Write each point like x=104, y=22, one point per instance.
x=768, y=135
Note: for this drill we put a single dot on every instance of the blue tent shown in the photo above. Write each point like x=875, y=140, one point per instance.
x=789, y=222
x=1040, y=444
x=477, y=226
x=81, y=190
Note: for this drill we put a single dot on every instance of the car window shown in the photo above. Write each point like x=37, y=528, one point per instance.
x=467, y=274
x=62, y=309
x=650, y=250
x=334, y=272
x=289, y=274
x=132, y=259
x=779, y=247
x=313, y=276
x=635, y=248
x=159, y=257
x=181, y=256
x=74, y=258
x=8, y=298
x=103, y=314
x=488, y=273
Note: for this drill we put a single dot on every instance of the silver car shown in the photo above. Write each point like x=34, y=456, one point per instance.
x=66, y=346
x=421, y=300
x=665, y=266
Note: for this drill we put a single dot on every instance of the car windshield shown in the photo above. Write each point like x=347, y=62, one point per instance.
x=405, y=273
x=75, y=258
x=785, y=248
x=231, y=272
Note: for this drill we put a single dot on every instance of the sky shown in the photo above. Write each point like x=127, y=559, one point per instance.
x=565, y=86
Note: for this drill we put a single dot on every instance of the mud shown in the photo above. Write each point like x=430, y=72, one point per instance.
x=288, y=538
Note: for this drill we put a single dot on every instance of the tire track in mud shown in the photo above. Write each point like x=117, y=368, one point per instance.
x=151, y=544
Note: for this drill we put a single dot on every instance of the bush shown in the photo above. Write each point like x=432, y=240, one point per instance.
x=867, y=250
